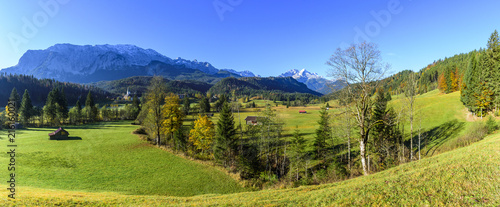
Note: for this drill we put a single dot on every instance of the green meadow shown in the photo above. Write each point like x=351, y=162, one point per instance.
x=104, y=164
x=108, y=157
x=468, y=176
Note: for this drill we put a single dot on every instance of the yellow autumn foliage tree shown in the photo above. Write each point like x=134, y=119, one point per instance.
x=203, y=133
x=172, y=115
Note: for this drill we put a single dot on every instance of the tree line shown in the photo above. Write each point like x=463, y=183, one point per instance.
x=56, y=110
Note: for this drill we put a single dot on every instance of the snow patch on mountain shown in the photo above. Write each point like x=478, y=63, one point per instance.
x=244, y=73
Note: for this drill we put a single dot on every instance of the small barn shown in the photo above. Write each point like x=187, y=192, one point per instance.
x=252, y=120
x=59, y=134
x=302, y=112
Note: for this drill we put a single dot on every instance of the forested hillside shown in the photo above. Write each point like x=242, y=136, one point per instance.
x=139, y=84
x=40, y=88
x=256, y=85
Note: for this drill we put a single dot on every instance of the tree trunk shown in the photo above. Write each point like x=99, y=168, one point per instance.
x=362, y=149
x=411, y=135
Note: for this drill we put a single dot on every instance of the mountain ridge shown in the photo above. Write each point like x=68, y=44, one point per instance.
x=314, y=81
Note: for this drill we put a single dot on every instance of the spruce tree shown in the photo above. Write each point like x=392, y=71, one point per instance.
x=26, y=109
x=63, y=105
x=225, y=145
x=50, y=108
x=90, y=108
x=78, y=106
x=323, y=133
x=186, y=106
x=14, y=96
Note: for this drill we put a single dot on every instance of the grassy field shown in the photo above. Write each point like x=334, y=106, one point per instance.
x=463, y=177
x=107, y=157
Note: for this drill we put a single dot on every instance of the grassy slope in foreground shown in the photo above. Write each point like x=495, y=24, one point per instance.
x=462, y=177
x=108, y=158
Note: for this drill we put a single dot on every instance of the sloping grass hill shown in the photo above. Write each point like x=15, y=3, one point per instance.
x=462, y=177
x=106, y=157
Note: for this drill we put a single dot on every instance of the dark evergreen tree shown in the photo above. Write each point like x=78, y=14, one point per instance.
x=50, y=108
x=225, y=144
x=26, y=110
x=78, y=106
x=91, y=110
x=204, y=105
x=186, y=106
x=136, y=103
x=14, y=96
x=63, y=105
x=323, y=133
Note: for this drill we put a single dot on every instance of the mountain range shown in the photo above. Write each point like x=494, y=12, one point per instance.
x=314, y=81
x=94, y=63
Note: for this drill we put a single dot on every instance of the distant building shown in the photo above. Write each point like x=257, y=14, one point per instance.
x=302, y=112
x=59, y=134
x=127, y=95
x=253, y=120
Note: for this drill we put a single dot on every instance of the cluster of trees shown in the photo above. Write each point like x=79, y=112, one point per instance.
x=450, y=80
x=39, y=88
x=381, y=142
x=56, y=110
x=481, y=86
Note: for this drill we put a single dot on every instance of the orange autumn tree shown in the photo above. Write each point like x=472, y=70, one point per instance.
x=442, y=85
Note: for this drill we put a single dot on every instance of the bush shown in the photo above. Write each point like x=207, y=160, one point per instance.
x=491, y=125
x=476, y=132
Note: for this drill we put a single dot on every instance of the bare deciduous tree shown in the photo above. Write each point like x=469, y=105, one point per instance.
x=410, y=94
x=361, y=67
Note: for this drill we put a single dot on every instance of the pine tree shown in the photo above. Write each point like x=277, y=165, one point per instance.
x=14, y=96
x=298, y=149
x=225, y=145
x=78, y=111
x=204, y=105
x=471, y=81
x=323, y=133
x=63, y=105
x=50, y=108
x=186, y=106
x=26, y=109
x=492, y=67
x=90, y=108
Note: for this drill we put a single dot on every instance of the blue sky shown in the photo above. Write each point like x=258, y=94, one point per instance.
x=265, y=37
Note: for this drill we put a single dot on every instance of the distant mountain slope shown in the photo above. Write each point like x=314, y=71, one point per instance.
x=139, y=84
x=84, y=64
x=245, y=73
x=248, y=84
x=314, y=81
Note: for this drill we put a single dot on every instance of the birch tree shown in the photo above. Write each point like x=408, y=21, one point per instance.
x=361, y=67
x=411, y=91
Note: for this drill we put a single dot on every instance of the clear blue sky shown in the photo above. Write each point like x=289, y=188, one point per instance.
x=265, y=37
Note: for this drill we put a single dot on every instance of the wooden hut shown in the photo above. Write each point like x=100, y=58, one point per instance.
x=252, y=120
x=59, y=134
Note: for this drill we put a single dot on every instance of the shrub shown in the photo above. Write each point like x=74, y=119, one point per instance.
x=491, y=125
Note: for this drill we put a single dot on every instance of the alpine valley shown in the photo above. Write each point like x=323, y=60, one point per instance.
x=103, y=63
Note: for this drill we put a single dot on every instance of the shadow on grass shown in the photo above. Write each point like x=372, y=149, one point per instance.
x=70, y=138
x=437, y=136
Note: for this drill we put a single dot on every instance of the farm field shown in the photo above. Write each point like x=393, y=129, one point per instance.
x=463, y=177
x=107, y=157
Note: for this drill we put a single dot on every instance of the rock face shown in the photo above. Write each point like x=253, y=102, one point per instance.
x=82, y=64
x=314, y=81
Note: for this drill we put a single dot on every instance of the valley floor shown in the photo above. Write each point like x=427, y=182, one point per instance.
x=462, y=177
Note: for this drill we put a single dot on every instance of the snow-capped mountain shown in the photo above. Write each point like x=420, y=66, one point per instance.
x=244, y=73
x=313, y=80
x=87, y=63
